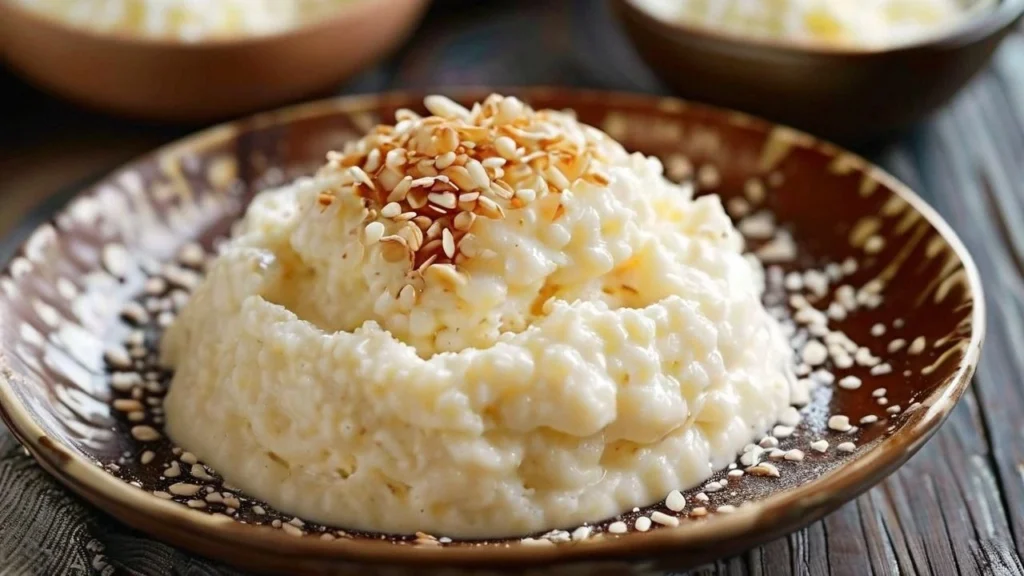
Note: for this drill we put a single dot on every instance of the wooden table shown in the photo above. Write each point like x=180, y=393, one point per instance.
x=956, y=508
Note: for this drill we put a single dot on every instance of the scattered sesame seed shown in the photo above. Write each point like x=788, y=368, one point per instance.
x=726, y=509
x=777, y=454
x=839, y=423
x=881, y=369
x=664, y=519
x=795, y=455
x=258, y=510
x=675, y=501
x=642, y=524
x=198, y=471
x=874, y=244
x=184, y=489
x=849, y=383
x=276, y=523
x=145, y=433
x=618, y=527
x=582, y=533
x=713, y=487
x=292, y=530
x=735, y=473
x=894, y=409
x=781, y=431
x=814, y=353
x=882, y=401
x=188, y=458
x=869, y=419
x=846, y=447
x=173, y=470
x=819, y=446
x=763, y=469
x=701, y=497
x=118, y=357
x=917, y=346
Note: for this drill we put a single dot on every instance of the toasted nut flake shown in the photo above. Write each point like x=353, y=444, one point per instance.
x=448, y=243
x=445, y=200
x=417, y=198
x=489, y=209
x=413, y=236
x=464, y=221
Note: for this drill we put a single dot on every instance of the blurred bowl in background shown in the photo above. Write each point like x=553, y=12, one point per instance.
x=848, y=94
x=176, y=80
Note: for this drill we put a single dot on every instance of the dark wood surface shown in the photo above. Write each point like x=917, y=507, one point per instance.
x=956, y=508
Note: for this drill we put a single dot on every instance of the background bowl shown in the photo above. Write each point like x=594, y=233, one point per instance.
x=849, y=95
x=61, y=295
x=173, y=80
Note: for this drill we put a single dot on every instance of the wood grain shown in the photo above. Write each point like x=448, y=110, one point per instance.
x=956, y=508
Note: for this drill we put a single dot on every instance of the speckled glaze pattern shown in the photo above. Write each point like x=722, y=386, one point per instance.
x=61, y=296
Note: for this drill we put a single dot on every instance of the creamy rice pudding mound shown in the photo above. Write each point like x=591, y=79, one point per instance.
x=479, y=323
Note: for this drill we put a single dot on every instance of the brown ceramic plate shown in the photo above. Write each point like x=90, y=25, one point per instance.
x=170, y=79
x=61, y=295
x=850, y=95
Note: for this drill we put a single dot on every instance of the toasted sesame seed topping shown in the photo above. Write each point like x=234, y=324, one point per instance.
x=699, y=512
x=794, y=455
x=147, y=457
x=618, y=527
x=819, y=446
x=869, y=419
x=581, y=533
x=894, y=409
x=763, y=469
x=846, y=447
x=781, y=431
x=184, y=489
x=726, y=509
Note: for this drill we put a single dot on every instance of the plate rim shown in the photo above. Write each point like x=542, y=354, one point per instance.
x=781, y=512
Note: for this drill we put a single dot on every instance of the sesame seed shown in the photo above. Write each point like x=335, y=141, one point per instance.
x=819, y=446
x=184, y=489
x=699, y=512
x=448, y=243
x=145, y=433
x=763, y=469
x=777, y=454
x=713, y=487
x=642, y=524
x=768, y=442
x=618, y=527
x=846, y=447
x=917, y=346
x=881, y=369
x=127, y=405
x=814, y=353
x=878, y=392
x=896, y=345
x=258, y=510
x=849, y=383
x=894, y=409
x=581, y=533
x=882, y=401
x=869, y=419
x=664, y=519
x=839, y=423
x=794, y=455
x=782, y=431
x=701, y=497
x=726, y=509
x=874, y=244
x=173, y=470
x=198, y=471
x=675, y=501
x=118, y=357
x=189, y=458
x=147, y=457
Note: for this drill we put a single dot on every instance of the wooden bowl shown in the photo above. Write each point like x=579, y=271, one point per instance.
x=61, y=295
x=846, y=94
x=170, y=80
